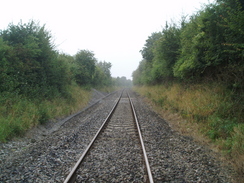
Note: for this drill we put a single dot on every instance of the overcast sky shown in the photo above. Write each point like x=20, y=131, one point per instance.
x=115, y=30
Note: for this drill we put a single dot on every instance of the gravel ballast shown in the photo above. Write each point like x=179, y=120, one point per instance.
x=173, y=157
x=116, y=155
x=49, y=154
x=49, y=158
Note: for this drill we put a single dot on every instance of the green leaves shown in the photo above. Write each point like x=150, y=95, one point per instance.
x=166, y=53
x=34, y=77
x=29, y=62
x=209, y=46
x=85, y=70
x=147, y=51
x=89, y=72
x=102, y=76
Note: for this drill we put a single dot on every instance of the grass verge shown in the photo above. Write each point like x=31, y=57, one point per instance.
x=19, y=113
x=210, y=113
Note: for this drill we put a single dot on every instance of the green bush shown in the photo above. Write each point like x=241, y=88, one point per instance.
x=35, y=80
x=29, y=63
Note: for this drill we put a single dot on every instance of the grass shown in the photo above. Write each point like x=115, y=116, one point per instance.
x=210, y=112
x=18, y=113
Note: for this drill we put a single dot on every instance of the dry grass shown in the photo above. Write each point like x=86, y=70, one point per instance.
x=191, y=102
x=179, y=121
x=192, y=111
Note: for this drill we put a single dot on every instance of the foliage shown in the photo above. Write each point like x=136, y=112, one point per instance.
x=19, y=113
x=102, y=76
x=37, y=83
x=159, y=53
x=88, y=71
x=205, y=46
x=142, y=74
x=200, y=68
x=165, y=53
x=69, y=64
x=147, y=50
x=85, y=61
x=122, y=82
x=29, y=62
x=208, y=46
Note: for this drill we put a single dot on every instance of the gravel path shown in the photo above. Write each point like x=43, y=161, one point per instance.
x=49, y=155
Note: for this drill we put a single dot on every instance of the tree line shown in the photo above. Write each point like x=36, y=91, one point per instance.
x=199, y=63
x=31, y=66
x=207, y=46
x=38, y=83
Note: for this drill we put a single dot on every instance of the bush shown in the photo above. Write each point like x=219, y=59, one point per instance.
x=29, y=62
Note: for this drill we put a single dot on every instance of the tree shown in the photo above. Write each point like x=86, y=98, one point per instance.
x=85, y=70
x=68, y=62
x=30, y=61
x=166, y=53
x=147, y=50
x=102, y=76
x=212, y=45
x=142, y=75
x=122, y=82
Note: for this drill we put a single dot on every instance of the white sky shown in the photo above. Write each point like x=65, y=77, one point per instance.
x=115, y=30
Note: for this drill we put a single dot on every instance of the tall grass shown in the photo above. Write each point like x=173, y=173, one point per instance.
x=19, y=113
x=213, y=107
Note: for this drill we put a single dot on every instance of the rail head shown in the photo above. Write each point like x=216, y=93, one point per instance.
x=149, y=173
x=72, y=175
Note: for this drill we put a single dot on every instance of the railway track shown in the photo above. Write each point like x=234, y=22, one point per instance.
x=116, y=153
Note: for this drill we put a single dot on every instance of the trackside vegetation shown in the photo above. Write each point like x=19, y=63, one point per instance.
x=37, y=83
x=196, y=69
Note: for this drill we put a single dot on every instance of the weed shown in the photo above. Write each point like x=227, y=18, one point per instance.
x=222, y=128
x=43, y=114
x=148, y=95
x=18, y=113
x=216, y=110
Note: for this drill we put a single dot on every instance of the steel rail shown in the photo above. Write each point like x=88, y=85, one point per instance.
x=149, y=173
x=83, y=110
x=72, y=175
